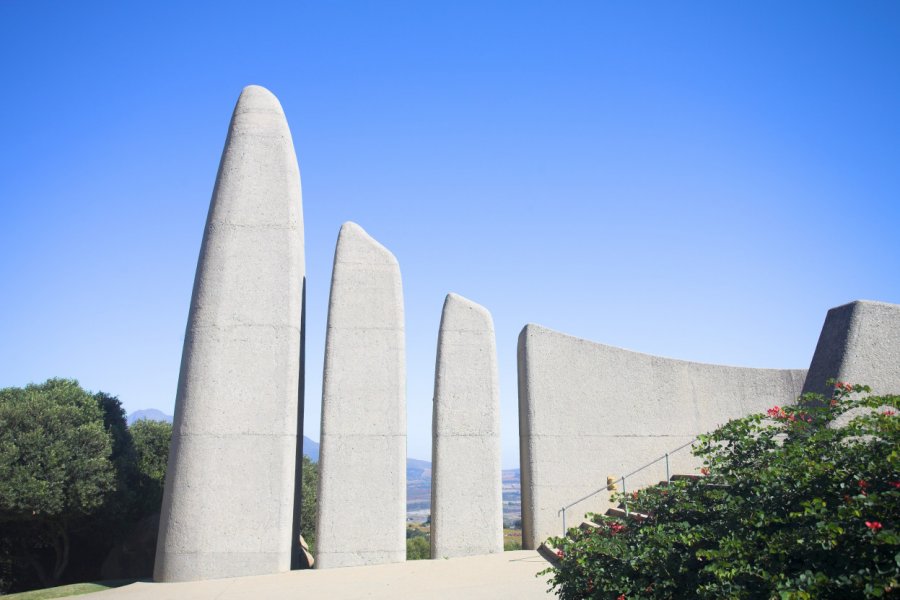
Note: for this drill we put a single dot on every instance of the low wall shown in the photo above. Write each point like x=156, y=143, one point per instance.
x=588, y=410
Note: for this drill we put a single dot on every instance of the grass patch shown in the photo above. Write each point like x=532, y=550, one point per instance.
x=73, y=589
x=512, y=539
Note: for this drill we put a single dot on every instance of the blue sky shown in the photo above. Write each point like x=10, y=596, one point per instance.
x=698, y=180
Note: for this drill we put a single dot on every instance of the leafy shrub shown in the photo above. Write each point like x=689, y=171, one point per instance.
x=511, y=545
x=151, y=447
x=801, y=502
x=418, y=548
x=309, y=493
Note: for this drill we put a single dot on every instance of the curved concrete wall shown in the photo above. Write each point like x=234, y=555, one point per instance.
x=228, y=504
x=466, y=494
x=362, y=456
x=859, y=343
x=588, y=410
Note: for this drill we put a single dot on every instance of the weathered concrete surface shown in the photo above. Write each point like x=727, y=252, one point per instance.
x=466, y=495
x=362, y=456
x=228, y=504
x=588, y=410
x=859, y=343
x=492, y=577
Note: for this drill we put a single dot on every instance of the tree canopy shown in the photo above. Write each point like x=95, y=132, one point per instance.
x=55, y=468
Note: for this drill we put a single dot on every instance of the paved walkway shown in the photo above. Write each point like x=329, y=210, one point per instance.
x=506, y=575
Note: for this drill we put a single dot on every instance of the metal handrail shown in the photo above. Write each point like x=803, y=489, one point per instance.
x=622, y=479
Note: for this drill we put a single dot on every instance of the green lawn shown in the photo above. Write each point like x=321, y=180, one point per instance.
x=74, y=589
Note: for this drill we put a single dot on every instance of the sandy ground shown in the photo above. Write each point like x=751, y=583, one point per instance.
x=506, y=575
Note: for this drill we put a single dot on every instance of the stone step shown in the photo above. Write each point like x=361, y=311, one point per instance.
x=549, y=553
x=686, y=477
x=621, y=514
x=621, y=507
x=588, y=525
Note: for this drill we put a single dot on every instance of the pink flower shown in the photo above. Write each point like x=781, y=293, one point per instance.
x=889, y=413
x=621, y=597
x=704, y=471
x=896, y=484
x=560, y=553
x=875, y=526
x=863, y=484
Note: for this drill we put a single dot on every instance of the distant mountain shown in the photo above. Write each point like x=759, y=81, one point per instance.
x=151, y=414
x=310, y=449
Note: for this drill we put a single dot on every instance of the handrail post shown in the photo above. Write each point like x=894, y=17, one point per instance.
x=667, y=467
x=624, y=496
x=565, y=531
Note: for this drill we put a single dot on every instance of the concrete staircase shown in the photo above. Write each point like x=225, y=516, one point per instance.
x=553, y=555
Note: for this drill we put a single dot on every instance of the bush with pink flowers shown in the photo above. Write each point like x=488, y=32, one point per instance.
x=801, y=502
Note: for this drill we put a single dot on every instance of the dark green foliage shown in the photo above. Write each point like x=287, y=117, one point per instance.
x=796, y=504
x=309, y=492
x=418, y=548
x=74, y=479
x=55, y=470
x=151, y=451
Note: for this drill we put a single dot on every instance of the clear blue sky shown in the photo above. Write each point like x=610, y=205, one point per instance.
x=698, y=180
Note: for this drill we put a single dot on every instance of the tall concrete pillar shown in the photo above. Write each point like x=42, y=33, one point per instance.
x=466, y=495
x=859, y=343
x=228, y=504
x=362, y=453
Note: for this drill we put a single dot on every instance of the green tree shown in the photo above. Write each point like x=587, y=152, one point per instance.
x=309, y=492
x=151, y=447
x=55, y=470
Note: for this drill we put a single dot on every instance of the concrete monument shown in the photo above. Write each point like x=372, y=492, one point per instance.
x=362, y=455
x=859, y=343
x=588, y=410
x=228, y=507
x=466, y=495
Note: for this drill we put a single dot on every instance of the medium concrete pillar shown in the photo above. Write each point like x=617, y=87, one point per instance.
x=859, y=343
x=466, y=495
x=229, y=497
x=362, y=455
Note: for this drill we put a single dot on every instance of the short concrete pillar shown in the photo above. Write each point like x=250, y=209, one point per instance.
x=228, y=504
x=466, y=494
x=859, y=343
x=362, y=456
